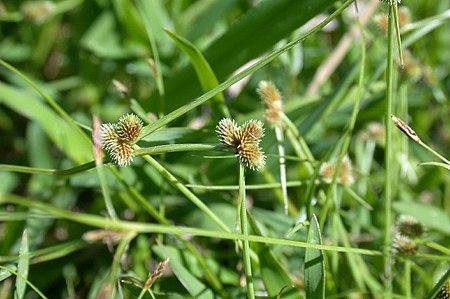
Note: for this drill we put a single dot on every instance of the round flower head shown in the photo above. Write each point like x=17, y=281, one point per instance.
x=404, y=245
x=110, y=137
x=229, y=132
x=122, y=154
x=244, y=140
x=271, y=98
x=129, y=127
x=118, y=138
x=409, y=226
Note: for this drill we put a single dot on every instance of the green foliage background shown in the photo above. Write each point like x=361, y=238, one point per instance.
x=76, y=50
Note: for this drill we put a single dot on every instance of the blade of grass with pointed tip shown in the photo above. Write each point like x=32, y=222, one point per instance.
x=236, y=78
x=22, y=267
x=314, y=265
x=255, y=33
x=204, y=72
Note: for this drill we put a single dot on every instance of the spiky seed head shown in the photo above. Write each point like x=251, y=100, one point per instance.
x=345, y=176
x=271, y=98
x=253, y=129
x=444, y=293
x=244, y=140
x=129, y=127
x=409, y=226
x=404, y=245
x=229, y=132
x=268, y=92
x=122, y=155
x=110, y=137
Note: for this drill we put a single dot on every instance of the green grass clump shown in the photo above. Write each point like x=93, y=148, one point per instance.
x=124, y=172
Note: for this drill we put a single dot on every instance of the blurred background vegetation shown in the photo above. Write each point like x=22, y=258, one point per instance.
x=74, y=50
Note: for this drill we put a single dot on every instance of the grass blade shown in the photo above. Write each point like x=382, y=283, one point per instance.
x=22, y=267
x=314, y=265
x=204, y=73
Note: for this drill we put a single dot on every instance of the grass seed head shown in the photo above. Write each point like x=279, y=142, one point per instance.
x=271, y=98
x=244, y=140
x=404, y=245
x=409, y=226
x=129, y=127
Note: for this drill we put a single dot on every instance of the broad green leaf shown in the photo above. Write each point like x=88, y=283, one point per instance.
x=22, y=267
x=275, y=278
x=64, y=136
x=254, y=34
x=194, y=286
x=204, y=72
x=314, y=265
x=430, y=216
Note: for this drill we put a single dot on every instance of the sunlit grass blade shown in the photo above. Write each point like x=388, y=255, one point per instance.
x=204, y=73
x=236, y=78
x=314, y=263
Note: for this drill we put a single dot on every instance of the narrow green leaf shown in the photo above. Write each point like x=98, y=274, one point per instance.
x=239, y=45
x=314, y=265
x=63, y=135
x=22, y=267
x=204, y=72
x=194, y=286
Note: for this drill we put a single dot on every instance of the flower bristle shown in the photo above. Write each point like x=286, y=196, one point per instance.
x=129, y=127
x=123, y=154
x=403, y=245
x=229, y=132
x=118, y=138
x=271, y=98
x=243, y=140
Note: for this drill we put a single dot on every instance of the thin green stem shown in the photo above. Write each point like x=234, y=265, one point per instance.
x=210, y=276
x=424, y=145
x=6, y=269
x=105, y=190
x=407, y=278
x=121, y=225
x=244, y=231
x=191, y=196
x=155, y=150
x=388, y=154
x=280, y=140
